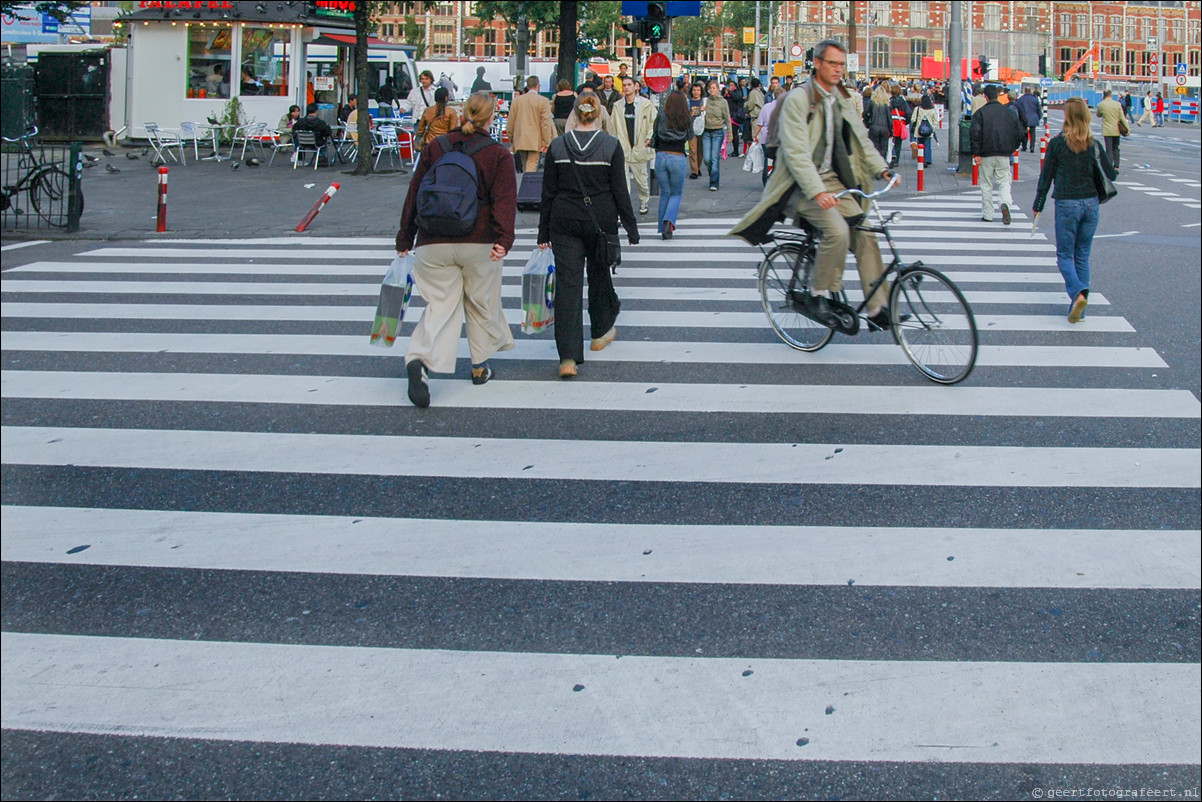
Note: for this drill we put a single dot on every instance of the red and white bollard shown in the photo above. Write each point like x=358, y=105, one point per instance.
x=161, y=220
x=1043, y=151
x=976, y=168
x=1014, y=161
x=317, y=207
x=921, y=161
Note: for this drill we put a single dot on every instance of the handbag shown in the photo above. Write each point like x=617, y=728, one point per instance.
x=1102, y=183
x=608, y=249
x=699, y=124
x=1123, y=129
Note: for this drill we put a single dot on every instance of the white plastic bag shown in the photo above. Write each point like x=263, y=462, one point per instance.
x=395, y=292
x=753, y=162
x=538, y=292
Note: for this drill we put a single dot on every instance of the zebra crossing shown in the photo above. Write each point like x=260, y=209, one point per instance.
x=708, y=565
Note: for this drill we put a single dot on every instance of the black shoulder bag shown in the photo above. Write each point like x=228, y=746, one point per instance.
x=608, y=250
x=1101, y=181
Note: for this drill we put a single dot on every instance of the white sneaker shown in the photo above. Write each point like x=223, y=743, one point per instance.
x=643, y=209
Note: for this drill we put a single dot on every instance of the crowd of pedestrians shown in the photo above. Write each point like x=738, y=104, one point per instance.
x=596, y=145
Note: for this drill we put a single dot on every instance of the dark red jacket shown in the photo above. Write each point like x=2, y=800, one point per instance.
x=498, y=198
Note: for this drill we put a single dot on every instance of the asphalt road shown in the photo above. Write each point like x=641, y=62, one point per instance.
x=237, y=564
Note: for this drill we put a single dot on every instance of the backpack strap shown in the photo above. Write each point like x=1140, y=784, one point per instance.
x=480, y=144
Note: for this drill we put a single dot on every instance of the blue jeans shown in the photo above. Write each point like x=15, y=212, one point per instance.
x=1076, y=222
x=670, y=169
x=711, y=151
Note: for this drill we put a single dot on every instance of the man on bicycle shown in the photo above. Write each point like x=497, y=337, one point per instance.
x=824, y=149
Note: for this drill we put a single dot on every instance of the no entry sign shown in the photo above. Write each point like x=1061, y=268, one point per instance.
x=658, y=73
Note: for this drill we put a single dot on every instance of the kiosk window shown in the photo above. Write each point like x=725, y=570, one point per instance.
x=208, y=62
x=265, y=56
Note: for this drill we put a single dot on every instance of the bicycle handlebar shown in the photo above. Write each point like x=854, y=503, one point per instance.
x=30, y=134
x=870, y=195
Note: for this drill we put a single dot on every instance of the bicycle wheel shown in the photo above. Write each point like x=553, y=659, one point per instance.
x=776, y=282
x=48, y=194
x=933, y=324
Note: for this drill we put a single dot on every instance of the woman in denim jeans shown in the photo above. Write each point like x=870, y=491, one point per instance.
x=1072, y=159
x=673, y=129
x=717, y=128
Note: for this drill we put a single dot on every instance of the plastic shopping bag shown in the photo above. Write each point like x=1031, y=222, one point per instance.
x=538, y=292
x=395, y=292
x=754, y=161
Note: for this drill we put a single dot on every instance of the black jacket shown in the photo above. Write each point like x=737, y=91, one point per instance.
x=995, y=130
x=601, y=165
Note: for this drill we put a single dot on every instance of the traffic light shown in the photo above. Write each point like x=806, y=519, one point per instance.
x=635, y=28
x=809, y=62
x=1043, y=64
x=656, y=24
x=984, y=62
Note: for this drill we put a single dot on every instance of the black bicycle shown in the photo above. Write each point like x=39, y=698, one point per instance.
x=44, y=183
x=928, y=315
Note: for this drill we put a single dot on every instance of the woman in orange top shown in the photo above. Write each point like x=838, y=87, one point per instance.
x=437, y=119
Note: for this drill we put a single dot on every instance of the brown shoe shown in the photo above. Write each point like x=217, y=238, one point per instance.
x=605, y=339
x=1078, y=310
x=567, y=368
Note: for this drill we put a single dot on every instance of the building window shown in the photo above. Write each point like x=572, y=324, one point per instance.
x=1195, y=62
x=490, y=42
x=442, y=38
x=920, y=15
x=993, y=17
x=264, y=61
x=1176, y=31
x=1194, y=32
x=1082, y=26
x=880, y=53
x=1116, y=28
x=1031, y=18
x=1099, y=28
x=445, y=9
x=1132, y=33
x=1131, y=63
x=1066, y=25
x=1066, y=60
x=918, y=49
x=550, y=43
x=880, y=13
x=208, y=61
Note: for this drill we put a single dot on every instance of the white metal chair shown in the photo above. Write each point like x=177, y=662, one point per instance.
x=249, y=134
x=277, y=144
x=191, y=132
x=386, y=141
x=164, y=141
x=305, y=142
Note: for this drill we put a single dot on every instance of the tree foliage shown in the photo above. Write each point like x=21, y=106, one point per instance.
x=60, y=11
x=693, y=35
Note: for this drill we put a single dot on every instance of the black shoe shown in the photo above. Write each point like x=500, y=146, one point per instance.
x=820, y=308
x=482, y=374
x=986, y=220
x=668, y=229
x=880, y=321
x=419, y=383
x=694, y=175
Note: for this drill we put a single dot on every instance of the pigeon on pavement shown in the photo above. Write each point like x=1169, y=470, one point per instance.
x=132, y=156
x=108, y=168
x=107, y=152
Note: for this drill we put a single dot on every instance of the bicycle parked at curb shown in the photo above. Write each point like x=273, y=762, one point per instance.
x=45, y=184
x=928, y=315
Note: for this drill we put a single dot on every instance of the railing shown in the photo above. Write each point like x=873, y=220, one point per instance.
x=41, y=186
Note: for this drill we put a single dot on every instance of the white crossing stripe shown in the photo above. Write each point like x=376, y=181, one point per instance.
x=363, y=290
x=694, y=707
x=364, y=314
x=627, y=396
x=543, y=349
x=604, y=552
x=663, y=461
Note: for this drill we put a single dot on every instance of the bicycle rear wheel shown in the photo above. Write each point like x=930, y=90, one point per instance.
x=778, y=287
x=48, y=194
x=934, y=325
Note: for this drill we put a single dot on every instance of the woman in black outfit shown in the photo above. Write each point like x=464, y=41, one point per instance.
x=590, y=157
x=561, y=104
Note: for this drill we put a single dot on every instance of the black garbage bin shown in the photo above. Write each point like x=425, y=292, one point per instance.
x=964, y=165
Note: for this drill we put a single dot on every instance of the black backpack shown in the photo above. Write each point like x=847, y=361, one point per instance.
x=448, y=198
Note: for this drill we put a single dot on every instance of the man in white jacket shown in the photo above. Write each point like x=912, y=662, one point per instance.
x=632, y=123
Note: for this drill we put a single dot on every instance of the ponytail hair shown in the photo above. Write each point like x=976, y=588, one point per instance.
x=477, y=113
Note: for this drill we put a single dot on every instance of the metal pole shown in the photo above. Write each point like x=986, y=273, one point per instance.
x=954, y=105
x=756, y=69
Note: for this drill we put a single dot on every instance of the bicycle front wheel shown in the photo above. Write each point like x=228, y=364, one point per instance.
x=779, y=286
x=48, y=194
x=933, y=324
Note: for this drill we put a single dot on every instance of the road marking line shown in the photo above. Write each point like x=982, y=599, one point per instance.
x=17, y=245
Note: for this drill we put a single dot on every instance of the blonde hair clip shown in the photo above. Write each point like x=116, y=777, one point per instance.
x=587, y=108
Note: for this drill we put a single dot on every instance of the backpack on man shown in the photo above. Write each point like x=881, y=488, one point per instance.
x=448, y=199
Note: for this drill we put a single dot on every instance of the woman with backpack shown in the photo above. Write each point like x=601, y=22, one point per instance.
x=923, y=124
x=460, y=209
x=584, y=195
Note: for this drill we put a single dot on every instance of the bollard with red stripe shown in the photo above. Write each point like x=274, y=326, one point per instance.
x=317, y=207
x=921, y=161
x=976, y=167
x=1014, y=161
x=1043, y=152
x=161, y=220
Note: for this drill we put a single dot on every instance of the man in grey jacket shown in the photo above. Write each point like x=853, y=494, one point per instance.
x=824, y=149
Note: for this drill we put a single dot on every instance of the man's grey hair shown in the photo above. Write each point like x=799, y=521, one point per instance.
x=826, y=44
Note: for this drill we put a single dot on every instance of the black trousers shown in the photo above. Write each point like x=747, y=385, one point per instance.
x=1112, y=150
x=573, y=260
x=769, y=156
x=897, y=146
x=880, y=138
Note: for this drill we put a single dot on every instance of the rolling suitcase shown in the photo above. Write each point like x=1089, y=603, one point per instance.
x=530, y=192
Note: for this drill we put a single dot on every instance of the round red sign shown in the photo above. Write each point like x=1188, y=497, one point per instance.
x=658, y=73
